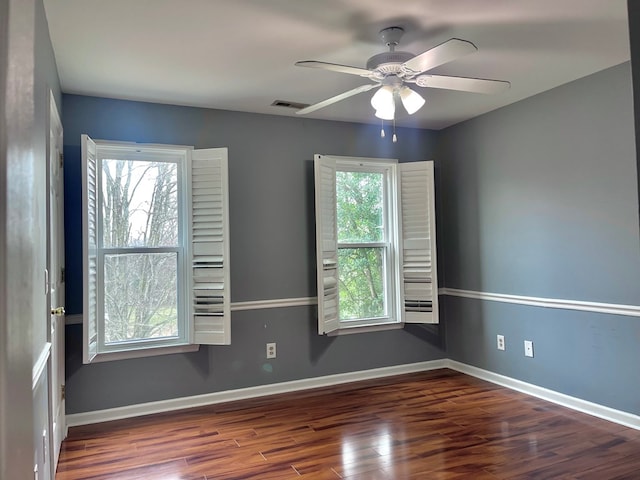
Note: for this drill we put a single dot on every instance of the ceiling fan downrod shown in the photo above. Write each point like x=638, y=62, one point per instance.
x=391, y=36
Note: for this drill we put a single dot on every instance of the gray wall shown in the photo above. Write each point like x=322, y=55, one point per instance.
x=272, y=251
x=27, y=71
x=541, y=199
x=633, y=11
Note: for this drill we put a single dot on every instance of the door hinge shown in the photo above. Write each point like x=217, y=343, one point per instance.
x=63, y=392
x=61, y=159
x=62, y=275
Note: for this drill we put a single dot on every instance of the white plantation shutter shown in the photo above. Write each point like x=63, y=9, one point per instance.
x=89, y=249
x=418, y=259
x=326, y=244
x=209, y=248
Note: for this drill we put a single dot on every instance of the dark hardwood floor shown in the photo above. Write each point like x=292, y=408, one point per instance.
x=432, y=425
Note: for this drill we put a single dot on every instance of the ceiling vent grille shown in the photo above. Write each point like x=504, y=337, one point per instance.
x=288, y=104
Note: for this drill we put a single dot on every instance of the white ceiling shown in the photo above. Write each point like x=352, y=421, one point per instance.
x=240, y=54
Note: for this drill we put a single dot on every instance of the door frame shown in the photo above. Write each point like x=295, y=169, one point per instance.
x=55, y=248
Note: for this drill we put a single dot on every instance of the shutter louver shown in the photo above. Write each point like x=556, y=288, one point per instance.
x=418, y=268
x=89, y=249
x=209, y=248
x=326, y=244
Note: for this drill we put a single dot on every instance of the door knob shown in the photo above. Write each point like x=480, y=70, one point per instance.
x=57, y=311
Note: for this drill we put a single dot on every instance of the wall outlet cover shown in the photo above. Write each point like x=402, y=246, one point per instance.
x=528, y=348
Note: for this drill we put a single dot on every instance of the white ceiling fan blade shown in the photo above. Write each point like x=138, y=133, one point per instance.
x=334, y=67
x=463, y=84
x=438, y=55
x=337, y=98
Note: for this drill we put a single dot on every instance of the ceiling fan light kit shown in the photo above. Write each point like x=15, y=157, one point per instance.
x=412, y=101
x=392, y=70
x=387, y=113
x=382, y=98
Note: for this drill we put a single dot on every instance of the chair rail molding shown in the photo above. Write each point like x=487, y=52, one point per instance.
x=595, y=307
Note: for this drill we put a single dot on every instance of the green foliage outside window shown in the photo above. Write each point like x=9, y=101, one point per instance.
x=360, y=218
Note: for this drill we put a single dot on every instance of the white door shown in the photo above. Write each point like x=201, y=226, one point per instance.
x=55, y=265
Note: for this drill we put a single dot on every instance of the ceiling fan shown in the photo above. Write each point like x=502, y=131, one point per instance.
x=391, y=72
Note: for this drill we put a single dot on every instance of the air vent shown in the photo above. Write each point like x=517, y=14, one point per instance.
x=288, y=104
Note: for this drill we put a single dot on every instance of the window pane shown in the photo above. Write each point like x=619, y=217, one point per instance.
x=361, y=275
x=140, y=296
x=359, y=197
x=139, y=203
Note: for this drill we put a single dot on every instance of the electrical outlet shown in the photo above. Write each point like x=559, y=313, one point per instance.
x=500, y=342
x=271, y=350
x=528, y=348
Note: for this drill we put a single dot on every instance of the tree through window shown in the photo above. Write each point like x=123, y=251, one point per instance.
x=362, y=243
x=140, y=212
x=375, y=243
x=155, y=249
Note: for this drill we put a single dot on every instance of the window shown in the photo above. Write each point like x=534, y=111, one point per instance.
x=375, y=241
x=155, y=249
x=366, y=241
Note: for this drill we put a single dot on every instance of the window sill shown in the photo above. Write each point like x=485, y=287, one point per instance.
x=144, y=352
x=366, y=329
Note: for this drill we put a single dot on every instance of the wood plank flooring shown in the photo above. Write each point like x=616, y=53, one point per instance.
x=431, y=425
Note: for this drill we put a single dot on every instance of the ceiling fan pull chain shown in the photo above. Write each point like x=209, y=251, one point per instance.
x=394, y=138
x=382, y=128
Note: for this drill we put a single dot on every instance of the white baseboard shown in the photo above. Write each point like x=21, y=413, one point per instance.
x=590, y=408
x=600, y=411
x=129, y=411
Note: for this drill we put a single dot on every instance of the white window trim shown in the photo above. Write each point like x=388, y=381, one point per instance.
x=156, y=153
x=145, y=352
x=415, y=271
x=211, y=176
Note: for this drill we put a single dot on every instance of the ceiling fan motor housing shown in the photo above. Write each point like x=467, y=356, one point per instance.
x=388, y=62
